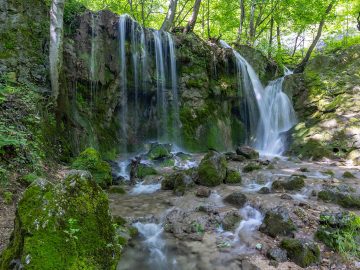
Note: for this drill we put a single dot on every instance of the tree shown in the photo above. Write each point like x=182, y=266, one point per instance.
x=191, y=23
x=300, y=68
x=170, y=16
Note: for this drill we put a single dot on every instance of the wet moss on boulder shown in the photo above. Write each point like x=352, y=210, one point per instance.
x=91, y=161
x=212, y=169
x=278, y=222
x=343, y=197
x=63, y=226
x=303, y=252
x=233, y=177
x=296, y=182
x=179, y=182
x=144, y=170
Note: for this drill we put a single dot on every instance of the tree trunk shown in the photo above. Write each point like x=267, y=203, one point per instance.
x=296, y=41
x=358, y=21
x=300, y=68
x=252, y=22
x=271, y=35
x=278, y=38
x=56, y=43
x=170, y=16
x=242, y=18
x=191, y=23
x=208, y=18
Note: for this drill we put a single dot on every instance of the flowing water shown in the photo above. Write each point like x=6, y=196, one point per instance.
x=268, y=113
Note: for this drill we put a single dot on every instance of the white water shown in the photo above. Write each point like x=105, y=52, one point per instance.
x=269, y=112
x=56, y=43
x=278, y=117
x=123, y=78
x=141, y=188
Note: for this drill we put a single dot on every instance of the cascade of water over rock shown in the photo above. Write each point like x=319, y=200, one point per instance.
x=268, y=113
x=143, y=46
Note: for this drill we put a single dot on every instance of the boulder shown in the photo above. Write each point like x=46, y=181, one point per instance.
x=203, y=192
x=144, y=170
x=236, y=199
x=212, y=169
x=296, y=182
x=264, y=190
x=277, y=254
x=277, y=222
x=303, y=252
x=179, y=182
x=90, y=160
x=340, y=195
x=158, y=151
x=251, y=167
x=235, y=157
x=230, y=220
x=247, y=152
x=66, y=225
x=233, y=177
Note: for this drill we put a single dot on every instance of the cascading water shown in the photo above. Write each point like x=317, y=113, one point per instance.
x=93, y=57
x=279, y=117
x=123, y=78
x=161, y=87
x=134, y=77
x=268, y=112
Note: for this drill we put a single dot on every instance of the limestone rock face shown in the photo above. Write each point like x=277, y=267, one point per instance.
x=327, y=102
x=63, y=226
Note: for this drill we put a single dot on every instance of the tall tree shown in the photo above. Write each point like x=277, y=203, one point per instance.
x=191, y=23
x=242, y=19
x=170, y=16
x=300, y=68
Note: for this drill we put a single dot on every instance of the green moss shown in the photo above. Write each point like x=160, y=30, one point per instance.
x=311, y=149
x=145, y=170
x=8, y=197
x=340, y=232
x=29, y=178
x=212, y=169
x=345, y=200
x=251, y=167
x=90, y=160
x=116, y=189
x=348, y=175
x=179, y=182
x=66, y=226
x=329, y=172
x=233, y=177
x=158, y=151
x=301, y=252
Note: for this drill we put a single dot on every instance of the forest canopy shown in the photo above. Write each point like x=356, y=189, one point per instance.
x=277, y=27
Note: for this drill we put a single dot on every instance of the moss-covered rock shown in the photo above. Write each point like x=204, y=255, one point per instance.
x=251, y=167
x=236, y=199
x=230, y=220
x=344, y=198
x=212, y=169
x=296, y=182
x=233, y=177
x=179, y=182
x=159, y=151
x=63, y=226
x=278, y=222
x=303, y=252
x=145, y=170
x=247, y=152
x=348, y=174
x=91, y=161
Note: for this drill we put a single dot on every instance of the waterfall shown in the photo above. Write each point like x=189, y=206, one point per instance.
x=268, y=112
x=56, y=43
x=134, y=77
x=93, y=57
x=123, y=78
x=279, y=117
x=176, y=124
x=161, y=93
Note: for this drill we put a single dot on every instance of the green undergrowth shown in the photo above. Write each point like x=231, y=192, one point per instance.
x=341, y=233
x=27, y=129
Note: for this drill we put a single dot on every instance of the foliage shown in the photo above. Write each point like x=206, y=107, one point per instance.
x=340, y=232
